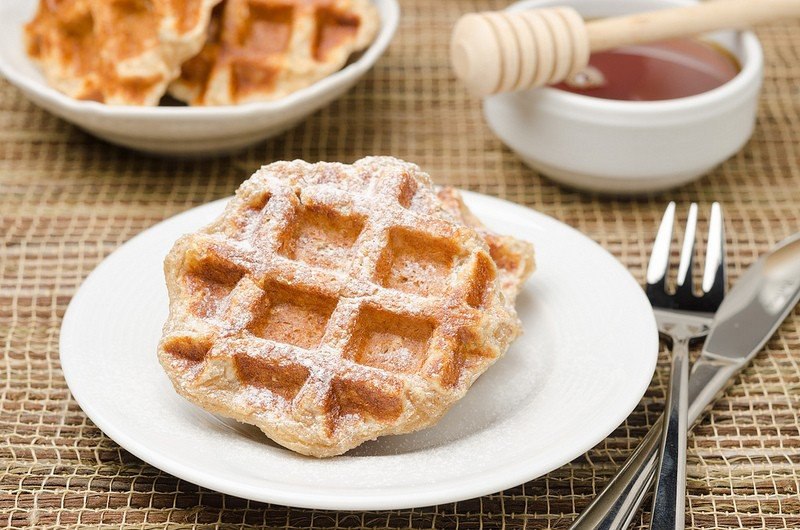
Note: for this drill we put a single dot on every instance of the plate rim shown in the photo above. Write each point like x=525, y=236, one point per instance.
x=453, y=490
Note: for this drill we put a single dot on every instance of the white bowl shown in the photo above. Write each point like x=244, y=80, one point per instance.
x=180, y=130
x=630, y=146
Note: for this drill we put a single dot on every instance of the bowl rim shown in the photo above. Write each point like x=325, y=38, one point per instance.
x=389, y=12
x=752, y=62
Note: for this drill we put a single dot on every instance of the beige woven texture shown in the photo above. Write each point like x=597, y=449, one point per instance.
x=67, y=200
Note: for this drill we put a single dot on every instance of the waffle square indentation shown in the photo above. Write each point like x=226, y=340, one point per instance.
x=334, y=28
x=482, y=276
x=323, y=238
x=396, y=343
x=281, y=377
x=210, y=281
x=188, y=348
x=381, y=400
x=268, y=29
x=416, y=263
x=468, y=351
x=292, y=316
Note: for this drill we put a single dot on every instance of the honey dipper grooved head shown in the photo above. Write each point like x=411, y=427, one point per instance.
x=475, y=54
x=505, y=51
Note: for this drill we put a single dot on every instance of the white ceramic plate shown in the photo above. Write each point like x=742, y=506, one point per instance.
x=584, y=362
x=180, y=130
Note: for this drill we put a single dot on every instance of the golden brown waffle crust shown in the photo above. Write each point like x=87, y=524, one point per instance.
x=118, y=53
x=514, y=257
x=321, y=388
x=312, y=40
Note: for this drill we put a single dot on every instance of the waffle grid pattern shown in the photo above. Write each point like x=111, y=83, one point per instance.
x=300, y=291
x=265, y=49
x=68, y=200
x=117, y=52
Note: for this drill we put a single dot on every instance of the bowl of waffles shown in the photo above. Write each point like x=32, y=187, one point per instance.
x=332, y=304
x=190, y=78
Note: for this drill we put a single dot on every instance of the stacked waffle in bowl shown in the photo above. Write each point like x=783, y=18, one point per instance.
x=201, y=52
x=332, y=304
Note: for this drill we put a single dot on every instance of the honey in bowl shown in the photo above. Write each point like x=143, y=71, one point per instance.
x=652, y=72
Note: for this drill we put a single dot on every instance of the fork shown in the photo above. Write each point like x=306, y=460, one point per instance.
x=682, y=316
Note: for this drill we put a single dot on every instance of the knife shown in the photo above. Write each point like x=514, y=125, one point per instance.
x=749, y=315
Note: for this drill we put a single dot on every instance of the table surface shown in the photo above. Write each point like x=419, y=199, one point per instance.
x=67, y=200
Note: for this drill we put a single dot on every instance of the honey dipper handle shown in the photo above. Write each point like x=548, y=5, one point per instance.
x=685, y=21
x=504, y=51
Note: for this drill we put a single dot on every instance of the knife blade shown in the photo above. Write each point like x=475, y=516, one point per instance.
x=749, y=315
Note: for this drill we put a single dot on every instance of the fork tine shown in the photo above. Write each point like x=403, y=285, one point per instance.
x=685, y=284
x=714, y=276
x=659, y=258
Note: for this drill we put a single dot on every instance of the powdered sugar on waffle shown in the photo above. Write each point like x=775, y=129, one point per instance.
x=331, y=304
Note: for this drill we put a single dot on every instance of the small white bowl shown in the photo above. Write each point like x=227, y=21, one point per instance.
x=180, y=130
x=628, y=147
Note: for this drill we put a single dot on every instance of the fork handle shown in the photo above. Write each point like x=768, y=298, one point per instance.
x=615, y=506
x=670, y=494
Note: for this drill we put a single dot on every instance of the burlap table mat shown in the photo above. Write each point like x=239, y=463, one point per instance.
x=67, y=200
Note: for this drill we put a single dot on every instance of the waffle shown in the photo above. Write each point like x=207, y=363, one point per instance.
x=513, y=257
x=311, y=310
x=260, y=50
x=120, y=52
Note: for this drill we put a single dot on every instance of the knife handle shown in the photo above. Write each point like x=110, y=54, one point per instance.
x=615, y=506
x=669, y=499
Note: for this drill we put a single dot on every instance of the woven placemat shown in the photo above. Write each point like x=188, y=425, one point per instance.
x=67, y=200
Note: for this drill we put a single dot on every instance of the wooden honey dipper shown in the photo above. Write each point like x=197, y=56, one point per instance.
x=504, y=51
